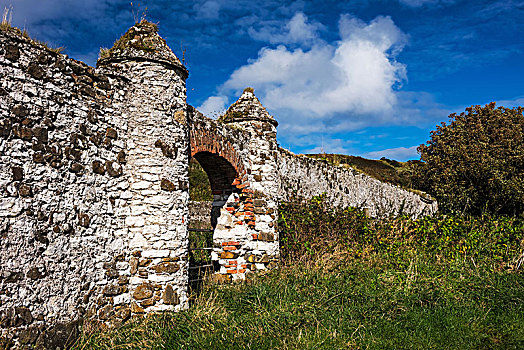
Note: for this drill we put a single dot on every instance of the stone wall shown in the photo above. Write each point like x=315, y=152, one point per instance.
x=200, y=214
x=62, y=151
x=303, y=177
x=244, y=235
x=93, y=189
x=94, y=200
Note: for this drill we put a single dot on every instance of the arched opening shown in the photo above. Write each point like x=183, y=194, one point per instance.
x=221, y=175
x=211, y=179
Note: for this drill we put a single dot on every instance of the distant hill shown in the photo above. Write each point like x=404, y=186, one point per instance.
x=386, y=170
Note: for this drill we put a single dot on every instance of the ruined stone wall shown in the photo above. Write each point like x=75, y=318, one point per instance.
x=241, y=241
x=61, y=164
x=93, y=191
x=302, y=177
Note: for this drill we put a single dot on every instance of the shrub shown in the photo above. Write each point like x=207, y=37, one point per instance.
x=475, y=164
x=312, y=229
x=199, y=186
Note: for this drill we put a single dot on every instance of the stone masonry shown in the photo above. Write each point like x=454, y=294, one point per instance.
x=94, y=186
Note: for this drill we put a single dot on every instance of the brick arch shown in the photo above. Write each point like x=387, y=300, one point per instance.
x=220, y=172
x=225, y=169
x=204, y=141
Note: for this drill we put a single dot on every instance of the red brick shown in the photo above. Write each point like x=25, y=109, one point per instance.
x=255, y=236
x=244, y=266
x=231, y=271
x=241, y=270
x=230, y=243
x=233, y=262
x=229, y=248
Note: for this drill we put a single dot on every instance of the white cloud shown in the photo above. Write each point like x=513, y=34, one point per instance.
x=214, y=106
x=399, y=153
x=298, y=30
x=354, y=76
x=515, y=102
x=334, y=87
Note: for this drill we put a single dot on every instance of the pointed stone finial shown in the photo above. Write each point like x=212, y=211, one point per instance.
x=247, y=108
x=141, y=42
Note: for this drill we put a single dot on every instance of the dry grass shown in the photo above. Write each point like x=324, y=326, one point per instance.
x=339, y=302
x=5, y=25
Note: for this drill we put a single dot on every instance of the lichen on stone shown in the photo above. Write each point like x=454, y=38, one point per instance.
x=246, y=108
x=141, y=41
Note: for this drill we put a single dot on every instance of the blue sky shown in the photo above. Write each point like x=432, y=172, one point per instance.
x=361, y=77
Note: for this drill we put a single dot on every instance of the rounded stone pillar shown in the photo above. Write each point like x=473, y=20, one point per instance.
x=154, y=212
x=248, y=114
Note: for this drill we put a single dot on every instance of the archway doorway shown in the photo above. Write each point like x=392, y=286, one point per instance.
x=211, y=179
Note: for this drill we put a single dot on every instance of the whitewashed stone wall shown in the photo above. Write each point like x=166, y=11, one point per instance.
x=303, y=177
x=62, y=151
x=154, y=209
x=93, y=189
x=94, y=186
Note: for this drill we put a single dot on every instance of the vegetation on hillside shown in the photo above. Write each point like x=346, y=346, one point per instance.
x=385, y=170
x=475, y=164
x=347, y=281
x=199, y=186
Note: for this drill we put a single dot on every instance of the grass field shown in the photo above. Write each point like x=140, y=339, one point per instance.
x=347, y=281
x=341, y=302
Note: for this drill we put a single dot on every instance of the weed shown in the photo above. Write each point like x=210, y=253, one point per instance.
x=443, y=282
x=5, y=25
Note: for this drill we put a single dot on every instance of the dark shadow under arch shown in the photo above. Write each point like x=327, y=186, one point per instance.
x=220, y=172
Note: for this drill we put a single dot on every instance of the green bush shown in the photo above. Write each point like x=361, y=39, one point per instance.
x=475, y=164
x=199, y=187
x=314, y=228
x=309, y=230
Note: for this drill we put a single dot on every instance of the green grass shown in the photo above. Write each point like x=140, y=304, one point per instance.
x=338, y=302
x=348, y=281
x=199, y=186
